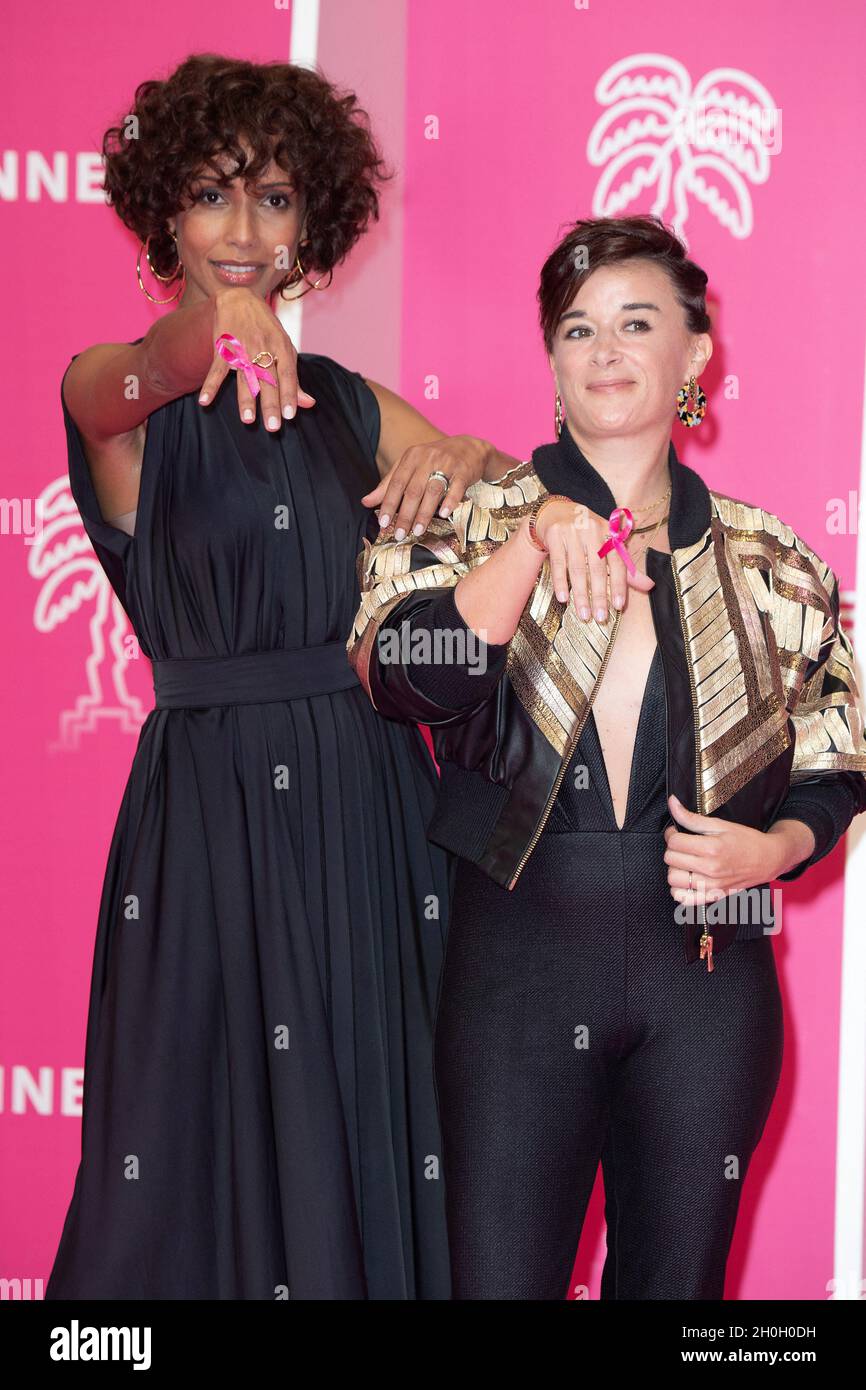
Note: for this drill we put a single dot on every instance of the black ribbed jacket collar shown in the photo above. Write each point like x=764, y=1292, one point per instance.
x=565, y=469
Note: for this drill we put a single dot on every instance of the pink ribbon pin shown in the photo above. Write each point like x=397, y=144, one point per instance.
x=621, y=527
x=233, y=352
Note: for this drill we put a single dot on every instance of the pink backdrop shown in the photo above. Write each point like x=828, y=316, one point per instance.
x=491, y=114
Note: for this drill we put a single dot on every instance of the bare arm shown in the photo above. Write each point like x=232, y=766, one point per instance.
x=410, y=449
x=112, y=388
x=473, y=572
x=401, y=427
x=492, y=596
x=799, y=840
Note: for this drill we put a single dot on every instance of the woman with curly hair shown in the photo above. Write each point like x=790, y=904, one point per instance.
x=259, y=1117
x=643, y=755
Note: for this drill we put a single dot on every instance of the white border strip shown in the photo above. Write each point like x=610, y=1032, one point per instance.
x=851, y=1118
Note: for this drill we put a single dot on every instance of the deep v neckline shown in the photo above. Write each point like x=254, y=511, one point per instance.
x=640, y=732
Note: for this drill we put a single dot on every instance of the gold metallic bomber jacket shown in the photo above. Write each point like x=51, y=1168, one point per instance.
x=760, y=689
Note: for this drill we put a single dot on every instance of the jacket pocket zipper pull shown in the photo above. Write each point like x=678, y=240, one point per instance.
x=707, y=949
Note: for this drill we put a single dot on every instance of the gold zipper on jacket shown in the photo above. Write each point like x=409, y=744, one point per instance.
x=706, y=941
x=569, y=749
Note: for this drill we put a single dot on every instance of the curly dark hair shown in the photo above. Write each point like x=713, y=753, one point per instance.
x=607, y=240
x=291, y=114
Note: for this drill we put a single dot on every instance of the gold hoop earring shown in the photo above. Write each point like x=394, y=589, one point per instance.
x=557, y=416
x=145, y=247
x=302, y=275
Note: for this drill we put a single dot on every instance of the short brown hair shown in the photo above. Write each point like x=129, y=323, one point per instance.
x=606, y=241
x=284, y=112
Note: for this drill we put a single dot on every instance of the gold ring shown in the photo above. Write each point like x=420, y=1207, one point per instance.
x=270, y=362
x=690, y=881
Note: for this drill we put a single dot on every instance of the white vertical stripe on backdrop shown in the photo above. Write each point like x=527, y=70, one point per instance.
x=848, y=1250
x=358, y=319
x=303, y=50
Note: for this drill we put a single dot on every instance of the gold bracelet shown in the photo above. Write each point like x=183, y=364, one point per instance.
x=534, y=514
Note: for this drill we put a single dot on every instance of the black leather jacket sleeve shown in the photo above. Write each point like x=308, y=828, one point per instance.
x=444, y=666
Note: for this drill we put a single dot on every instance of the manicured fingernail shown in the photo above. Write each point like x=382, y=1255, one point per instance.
x=417, y=529
x=584, y=613
x=248, y=414
x=288, y=411
x=444, y=511
x=273, y=422
x=399, y=533
x=205, y=396
x=562, y=595
x=618, y=600
x=601, y=614
x=383, y=520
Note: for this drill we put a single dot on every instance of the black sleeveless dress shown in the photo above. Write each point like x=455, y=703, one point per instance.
x=259, y=1114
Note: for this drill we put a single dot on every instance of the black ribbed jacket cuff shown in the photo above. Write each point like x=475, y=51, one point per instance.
x=827, y=805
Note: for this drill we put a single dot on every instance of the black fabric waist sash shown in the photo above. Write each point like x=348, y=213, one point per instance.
x=252, y=678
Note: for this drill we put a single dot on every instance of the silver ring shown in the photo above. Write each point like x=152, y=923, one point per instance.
x=443, y=478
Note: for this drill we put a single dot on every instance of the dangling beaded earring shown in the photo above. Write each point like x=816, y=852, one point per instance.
x=557, y=416
x=691, y=392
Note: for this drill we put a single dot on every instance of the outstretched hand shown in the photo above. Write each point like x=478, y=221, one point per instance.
x=408, y=497
x=248, y=318
x=573, y=536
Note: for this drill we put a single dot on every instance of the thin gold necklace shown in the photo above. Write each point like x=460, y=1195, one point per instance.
x=648, y=506
x=641, y=530
x=658, y=526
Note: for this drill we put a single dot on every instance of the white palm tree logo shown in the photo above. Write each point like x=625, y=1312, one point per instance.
x=64, y=558
x=707, y=142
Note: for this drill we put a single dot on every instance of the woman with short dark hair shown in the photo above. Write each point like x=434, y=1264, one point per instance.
x=259, y=1115
x=660, y=718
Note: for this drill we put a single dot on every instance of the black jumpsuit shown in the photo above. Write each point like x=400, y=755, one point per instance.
x=570, y=1029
